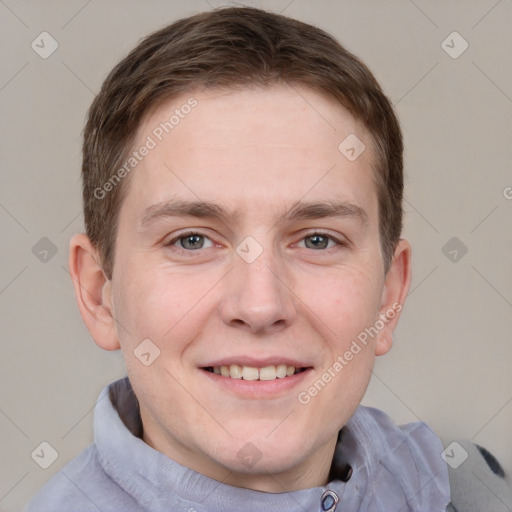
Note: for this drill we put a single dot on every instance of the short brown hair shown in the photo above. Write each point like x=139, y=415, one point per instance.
x=231, y=48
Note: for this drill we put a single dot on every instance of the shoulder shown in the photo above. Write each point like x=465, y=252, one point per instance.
x=61, y=488
x=477, y=481
x=80, y=486
x=402, y=460
x=476, y=478
x=417, y=439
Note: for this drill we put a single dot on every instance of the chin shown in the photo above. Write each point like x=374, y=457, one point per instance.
x=265, y=464
x=260, y=455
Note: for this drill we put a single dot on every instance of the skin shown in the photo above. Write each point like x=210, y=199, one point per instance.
x=257, y=152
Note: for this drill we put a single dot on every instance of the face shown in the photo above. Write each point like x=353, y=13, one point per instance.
x=248, y=246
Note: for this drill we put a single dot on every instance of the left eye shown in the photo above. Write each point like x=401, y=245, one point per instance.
x=192, y=241
x=319, y=241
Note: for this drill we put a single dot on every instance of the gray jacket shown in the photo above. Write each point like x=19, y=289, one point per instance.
x=377, y=467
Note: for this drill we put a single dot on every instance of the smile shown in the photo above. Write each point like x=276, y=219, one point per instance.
x=272, y=372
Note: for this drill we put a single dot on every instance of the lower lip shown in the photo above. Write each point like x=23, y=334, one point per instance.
x=258, y=388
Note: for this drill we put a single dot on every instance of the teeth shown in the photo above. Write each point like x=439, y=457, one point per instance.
x=249, y=373
x=268, y=373
x=236, y=371
x=281, y=371
x=272, y=372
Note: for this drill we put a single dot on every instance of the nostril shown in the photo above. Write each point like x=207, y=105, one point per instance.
x=237, y=322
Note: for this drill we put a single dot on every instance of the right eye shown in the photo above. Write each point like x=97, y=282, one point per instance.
x=191, y=241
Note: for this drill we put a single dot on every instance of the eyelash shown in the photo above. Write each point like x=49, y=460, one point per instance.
x=181, y=236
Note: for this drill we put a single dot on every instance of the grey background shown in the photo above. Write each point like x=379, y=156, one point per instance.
x=451, y=362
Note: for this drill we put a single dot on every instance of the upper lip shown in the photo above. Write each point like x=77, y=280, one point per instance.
x=255, y=362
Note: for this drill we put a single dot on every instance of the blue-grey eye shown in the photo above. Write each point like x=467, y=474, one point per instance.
x=192, y=242
x=317, y=241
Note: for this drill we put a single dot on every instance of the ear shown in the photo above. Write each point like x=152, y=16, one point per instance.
x=394, y=293
x=93, y=292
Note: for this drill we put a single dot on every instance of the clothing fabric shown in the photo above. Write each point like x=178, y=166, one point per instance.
x=377, y=467
x=478, y=481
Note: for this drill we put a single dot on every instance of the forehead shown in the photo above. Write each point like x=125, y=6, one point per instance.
x=258, y=148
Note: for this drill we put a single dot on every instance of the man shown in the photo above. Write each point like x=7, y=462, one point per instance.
x=242, y=185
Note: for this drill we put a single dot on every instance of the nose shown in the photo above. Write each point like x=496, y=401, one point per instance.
x=258, y=296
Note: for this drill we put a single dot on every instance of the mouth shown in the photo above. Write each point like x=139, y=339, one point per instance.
x=253, y=373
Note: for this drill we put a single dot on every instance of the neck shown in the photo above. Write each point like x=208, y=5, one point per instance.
x=311, y=471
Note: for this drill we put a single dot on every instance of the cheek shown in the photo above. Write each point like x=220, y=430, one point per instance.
x=157, y=302
x=344, y=300
x=341, y=308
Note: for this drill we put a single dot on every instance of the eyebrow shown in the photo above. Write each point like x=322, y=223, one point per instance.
x=208, y=210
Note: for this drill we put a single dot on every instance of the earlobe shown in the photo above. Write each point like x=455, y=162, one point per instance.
x=93, y=292
x=396, y=287
x=384, y=344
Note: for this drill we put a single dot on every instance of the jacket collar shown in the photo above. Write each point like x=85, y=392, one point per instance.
x=376, y=466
